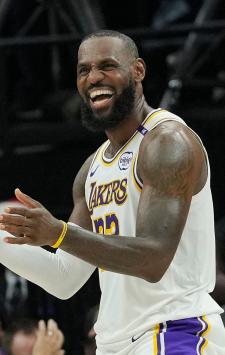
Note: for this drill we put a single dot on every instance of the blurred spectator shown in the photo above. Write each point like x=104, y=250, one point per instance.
x=2, y=334
x=29, y=337
x=89, y=342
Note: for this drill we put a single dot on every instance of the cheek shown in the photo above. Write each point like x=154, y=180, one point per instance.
x=80, y=88
x=123, y=78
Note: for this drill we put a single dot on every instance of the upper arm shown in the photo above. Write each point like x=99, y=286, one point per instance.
x=172, y=167
x=80, y=214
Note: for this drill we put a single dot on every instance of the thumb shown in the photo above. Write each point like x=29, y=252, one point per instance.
x=26, y=200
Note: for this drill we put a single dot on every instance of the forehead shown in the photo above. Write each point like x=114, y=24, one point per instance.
x=23, y=343
x=100, y=48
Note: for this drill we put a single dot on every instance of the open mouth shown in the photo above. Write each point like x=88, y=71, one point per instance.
x=100, y=98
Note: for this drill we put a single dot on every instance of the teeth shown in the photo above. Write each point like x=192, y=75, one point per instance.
x=96, y=93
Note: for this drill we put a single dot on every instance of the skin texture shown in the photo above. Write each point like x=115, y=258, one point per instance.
x=47, y=340
x=22, y=344
x=171, y=165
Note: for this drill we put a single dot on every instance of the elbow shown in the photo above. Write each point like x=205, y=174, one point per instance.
x=154, y=274
x=152, y=278
x=62, y=294
x=154, y=268
x=63, y=297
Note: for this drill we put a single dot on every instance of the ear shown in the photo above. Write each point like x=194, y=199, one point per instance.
x=139, y=69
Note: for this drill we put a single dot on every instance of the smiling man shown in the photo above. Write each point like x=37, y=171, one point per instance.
x=142, y=214
x=108, y=99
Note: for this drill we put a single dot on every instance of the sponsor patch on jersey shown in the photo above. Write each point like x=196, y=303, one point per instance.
x=125, y=160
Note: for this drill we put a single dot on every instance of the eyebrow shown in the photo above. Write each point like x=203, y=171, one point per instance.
x=102, y=61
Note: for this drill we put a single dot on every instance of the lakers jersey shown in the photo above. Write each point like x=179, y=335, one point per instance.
x=130, y=305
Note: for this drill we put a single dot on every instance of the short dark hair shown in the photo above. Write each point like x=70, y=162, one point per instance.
x=129, y=43
x=22, y=325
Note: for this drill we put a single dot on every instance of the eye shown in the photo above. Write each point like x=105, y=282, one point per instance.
x=82, y=71
x=108, y=66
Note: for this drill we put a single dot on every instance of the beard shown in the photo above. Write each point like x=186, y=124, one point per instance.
x=123, y=106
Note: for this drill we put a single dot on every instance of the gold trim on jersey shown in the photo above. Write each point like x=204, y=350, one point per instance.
x=155, y=342
x=94, y=158
x=134, y=175
x=111, y=161
x=153, y=115
x=99, y=152
x=203, y=335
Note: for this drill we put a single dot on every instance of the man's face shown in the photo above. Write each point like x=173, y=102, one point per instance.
x=105, y=82
x=23, y=344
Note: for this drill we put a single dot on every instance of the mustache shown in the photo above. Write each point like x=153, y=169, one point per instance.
x=97, y=86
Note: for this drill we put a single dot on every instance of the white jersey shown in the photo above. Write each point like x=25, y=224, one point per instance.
x=130, y=305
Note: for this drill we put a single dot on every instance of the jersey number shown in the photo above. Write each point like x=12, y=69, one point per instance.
x=108, y=224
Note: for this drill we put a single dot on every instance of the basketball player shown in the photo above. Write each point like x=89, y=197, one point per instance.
x=143, y=215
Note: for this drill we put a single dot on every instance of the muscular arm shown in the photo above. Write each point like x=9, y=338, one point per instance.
x=172, y=166
x=49, y=270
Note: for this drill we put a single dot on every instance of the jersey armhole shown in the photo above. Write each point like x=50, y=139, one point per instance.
x=137, y=181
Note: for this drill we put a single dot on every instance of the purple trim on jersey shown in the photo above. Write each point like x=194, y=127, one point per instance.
x=142, y=130
x=205, y=328
x=200, y=334
x=182, y=336
x=200, y=347
x=158, y=344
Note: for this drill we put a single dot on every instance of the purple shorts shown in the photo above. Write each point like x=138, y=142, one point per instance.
x=203, y=335
x=184, y=336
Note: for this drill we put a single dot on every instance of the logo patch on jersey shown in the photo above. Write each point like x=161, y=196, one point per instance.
x=134, y=338
x=125, y=160
x=142, y=130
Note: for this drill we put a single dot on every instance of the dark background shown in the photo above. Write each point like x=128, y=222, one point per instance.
x=42, y=143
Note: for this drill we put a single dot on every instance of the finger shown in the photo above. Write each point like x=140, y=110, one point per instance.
x=57, y=336
x=21, y=211
x=14, y=229
x=18, y=240
x=41, y=328
x=26, y=200
x=51, y=327
x=14, y=219
x=13, y=235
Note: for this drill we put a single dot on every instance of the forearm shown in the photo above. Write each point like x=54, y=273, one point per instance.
x=125, y=255
x=60, y=274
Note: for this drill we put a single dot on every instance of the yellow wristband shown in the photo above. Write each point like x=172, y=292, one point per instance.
x=61, y=237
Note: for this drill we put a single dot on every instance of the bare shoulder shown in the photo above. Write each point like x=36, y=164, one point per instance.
x=172, y=159
x=80, y=214
x=79, y=181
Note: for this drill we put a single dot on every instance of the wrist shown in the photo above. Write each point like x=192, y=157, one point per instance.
x=61, y=236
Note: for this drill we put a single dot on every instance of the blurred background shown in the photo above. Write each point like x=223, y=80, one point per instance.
x=42, y=142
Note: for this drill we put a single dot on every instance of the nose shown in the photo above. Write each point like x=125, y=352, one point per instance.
x=95, y=75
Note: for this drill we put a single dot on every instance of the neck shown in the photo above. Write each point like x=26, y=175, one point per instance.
x=119, y=135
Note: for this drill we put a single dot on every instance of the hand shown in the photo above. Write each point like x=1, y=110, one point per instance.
x=31, y=223
x=49, y=339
